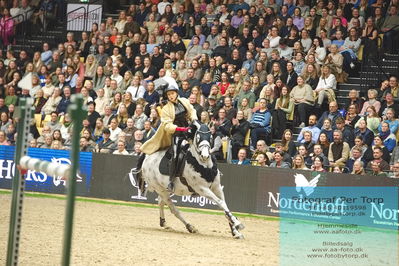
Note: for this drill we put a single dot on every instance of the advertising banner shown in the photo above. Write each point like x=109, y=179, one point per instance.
x=354, y=226
x=39, y=181
x=113, y=179
x=82, y=16
x=247, y=189
x=270, y=181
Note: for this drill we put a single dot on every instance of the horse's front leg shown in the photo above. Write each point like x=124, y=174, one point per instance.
x=162, y=221
x=166, y=199
x=234, y=223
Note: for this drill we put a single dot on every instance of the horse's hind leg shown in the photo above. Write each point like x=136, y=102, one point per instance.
x=235, y=224
x=166, y=199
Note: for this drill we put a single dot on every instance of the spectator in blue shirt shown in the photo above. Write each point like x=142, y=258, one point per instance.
x=332, y=113
x=312, y=128
x=242, y=158
x=291, y=7
x=240, y=5
x=260, y=123
x=249, y=63
x=387, y=137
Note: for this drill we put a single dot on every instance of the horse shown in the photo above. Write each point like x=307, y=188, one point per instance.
x=199, y=175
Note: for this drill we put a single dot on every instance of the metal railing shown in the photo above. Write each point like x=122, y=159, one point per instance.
x=374, y=70
x=81, y=21
x=76, y=21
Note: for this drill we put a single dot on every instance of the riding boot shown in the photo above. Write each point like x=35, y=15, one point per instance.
x=172, y=176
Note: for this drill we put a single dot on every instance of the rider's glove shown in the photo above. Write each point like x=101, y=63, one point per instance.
x=182, y=129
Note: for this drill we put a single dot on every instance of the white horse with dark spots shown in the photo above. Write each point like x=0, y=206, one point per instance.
x=199, y=174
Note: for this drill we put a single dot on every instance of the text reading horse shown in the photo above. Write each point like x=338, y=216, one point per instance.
x=199, y=173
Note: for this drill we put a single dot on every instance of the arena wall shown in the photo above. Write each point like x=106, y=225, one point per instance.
x=248, y=189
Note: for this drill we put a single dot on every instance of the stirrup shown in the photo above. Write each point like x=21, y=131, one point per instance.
x=171, y=187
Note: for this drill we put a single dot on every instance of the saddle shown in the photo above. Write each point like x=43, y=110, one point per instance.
x=165, y=166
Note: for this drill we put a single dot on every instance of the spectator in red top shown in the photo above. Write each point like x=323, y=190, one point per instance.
x=224, y=83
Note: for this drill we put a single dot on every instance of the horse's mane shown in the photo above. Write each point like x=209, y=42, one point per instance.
x=209, y=174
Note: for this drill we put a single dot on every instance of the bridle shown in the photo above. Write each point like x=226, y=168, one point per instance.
x=203, y=144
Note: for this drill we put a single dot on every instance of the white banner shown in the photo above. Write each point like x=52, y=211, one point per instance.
x=82, y=16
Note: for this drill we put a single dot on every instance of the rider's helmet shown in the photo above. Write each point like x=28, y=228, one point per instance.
x=167, y=84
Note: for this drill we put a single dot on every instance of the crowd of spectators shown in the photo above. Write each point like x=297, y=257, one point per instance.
x=253, y=70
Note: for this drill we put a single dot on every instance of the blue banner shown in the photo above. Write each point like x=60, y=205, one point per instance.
x=41, y=182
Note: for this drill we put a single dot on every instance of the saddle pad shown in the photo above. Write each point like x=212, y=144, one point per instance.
x=164, y=164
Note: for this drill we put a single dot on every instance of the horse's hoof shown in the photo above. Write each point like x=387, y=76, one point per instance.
x=239, y=227
x=238, y=235
x=191, y=229
x=162, y=222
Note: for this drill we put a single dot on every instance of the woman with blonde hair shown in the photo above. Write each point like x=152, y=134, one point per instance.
x=98, y=129
x=238, y=81
x=276, y=71
x=167, y=66
x=90, y=67
x=151, y=23
x=270, y=85
x=205, y=119
x=311, y=77
x=244, y=107
x=181, y=68
x=372, y=101
x=298, y=162
x=175, y=74
x=323, y=25
x=37, y=62
x=256, y=85
x=122, y=116
x=116, y=101
x=198, y=93
x=39, y=102
x=127, y=80
x=129, y=104
x=245, y=74
x=215, y=91
x=326, y=87
x=121, y=22
x=308, y=25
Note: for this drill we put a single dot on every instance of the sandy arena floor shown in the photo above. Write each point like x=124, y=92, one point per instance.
x=125, y=235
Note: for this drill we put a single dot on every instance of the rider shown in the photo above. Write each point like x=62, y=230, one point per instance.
x=176, y=116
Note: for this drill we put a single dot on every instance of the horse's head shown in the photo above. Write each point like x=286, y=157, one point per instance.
x=202, y=142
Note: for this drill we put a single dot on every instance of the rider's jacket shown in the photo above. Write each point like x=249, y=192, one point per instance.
x=173, y=115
